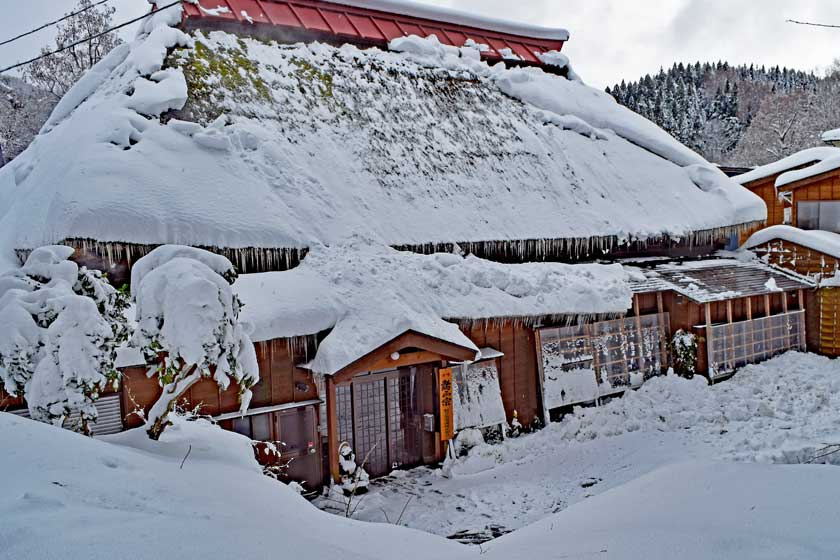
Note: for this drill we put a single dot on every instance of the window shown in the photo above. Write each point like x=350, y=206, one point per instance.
x=261, y=427
x=824, y=215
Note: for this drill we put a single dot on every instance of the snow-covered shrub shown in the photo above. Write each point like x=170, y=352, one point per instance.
x=354, y=478
x=188, y=326
x=60, y=327
x=516, y=428
x=684, y=346
x=466, y=440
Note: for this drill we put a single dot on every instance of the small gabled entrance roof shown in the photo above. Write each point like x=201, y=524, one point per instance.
x=409, y=348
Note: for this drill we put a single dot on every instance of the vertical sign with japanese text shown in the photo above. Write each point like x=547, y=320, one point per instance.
x=447, y=417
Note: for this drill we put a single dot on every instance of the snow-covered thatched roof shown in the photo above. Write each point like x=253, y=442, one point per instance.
x=288, y=146
x=368, y=294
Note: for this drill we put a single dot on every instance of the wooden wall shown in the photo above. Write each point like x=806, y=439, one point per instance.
x=798, y=258
x=822, y=187
x=280, y=383
x=518, y=374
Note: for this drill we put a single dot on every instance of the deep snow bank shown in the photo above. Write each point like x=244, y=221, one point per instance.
x=66, y=496
x=779, y=411
x=695, y=511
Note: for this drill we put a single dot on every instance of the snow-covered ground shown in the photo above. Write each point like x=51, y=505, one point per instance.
x=66, y=496
x=781, y=411
x=680, y=469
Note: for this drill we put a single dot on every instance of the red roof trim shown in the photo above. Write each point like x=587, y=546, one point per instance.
x=361, y=25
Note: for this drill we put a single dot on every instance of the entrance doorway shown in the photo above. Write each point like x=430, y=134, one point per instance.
x=380, y=415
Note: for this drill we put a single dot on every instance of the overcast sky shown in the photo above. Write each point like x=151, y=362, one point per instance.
x=611, y=40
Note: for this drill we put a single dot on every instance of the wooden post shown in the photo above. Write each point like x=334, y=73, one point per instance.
x=663, y=343
x=750, y=330
x=332, y=428
x=707, y=310
x=766, y=331
x=541, y=375
x=730, y=332
x=640, y=339
x=801, y=297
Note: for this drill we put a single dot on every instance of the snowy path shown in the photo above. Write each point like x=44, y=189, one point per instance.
x=777, y=412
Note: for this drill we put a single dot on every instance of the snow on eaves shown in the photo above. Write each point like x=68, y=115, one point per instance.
x=449, y=15
x=369, y=294
x=831, y=135
x=315, y=143
x=787, y=168
x=825, y=242
x=824, y=166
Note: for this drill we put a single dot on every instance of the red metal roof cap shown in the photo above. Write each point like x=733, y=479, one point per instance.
x=377, y=22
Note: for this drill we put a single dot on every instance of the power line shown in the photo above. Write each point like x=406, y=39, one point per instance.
x=48, y=24
x=812, y=24
x=87, y=39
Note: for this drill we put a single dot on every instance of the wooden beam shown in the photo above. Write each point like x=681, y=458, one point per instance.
x=708, y=311
x=409, y=339
x=405, y=360
x=767, y=305
x=801, y=297
x=729, y=311
x=332, y=429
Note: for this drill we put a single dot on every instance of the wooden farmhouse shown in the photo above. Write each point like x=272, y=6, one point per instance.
x=437, y=224
x=802, y=193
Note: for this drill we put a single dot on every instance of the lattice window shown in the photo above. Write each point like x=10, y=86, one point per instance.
x=584, y=362
x=734, y=345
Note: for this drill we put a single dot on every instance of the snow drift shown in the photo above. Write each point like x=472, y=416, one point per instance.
x=66, y=496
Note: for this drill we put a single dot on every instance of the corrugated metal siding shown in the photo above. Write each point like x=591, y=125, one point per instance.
x=110, y=415
x=350, y=23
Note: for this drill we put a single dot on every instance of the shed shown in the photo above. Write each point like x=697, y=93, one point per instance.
x=742, y=311
x=816, y=256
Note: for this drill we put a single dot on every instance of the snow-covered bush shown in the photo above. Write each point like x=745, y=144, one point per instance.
x=188, y=326
x=684, y=348
x=60, y=327
x=354, y=478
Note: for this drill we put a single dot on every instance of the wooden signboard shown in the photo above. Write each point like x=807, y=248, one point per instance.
x=447, y=417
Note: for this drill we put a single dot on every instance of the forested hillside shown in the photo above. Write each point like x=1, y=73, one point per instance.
x=738, y=115
x=23, y=109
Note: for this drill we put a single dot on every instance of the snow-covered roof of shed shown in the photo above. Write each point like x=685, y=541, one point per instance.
x=809, y=160
x=710, y=280
x=428, y=145
x=825, y=242
x=369, y=294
